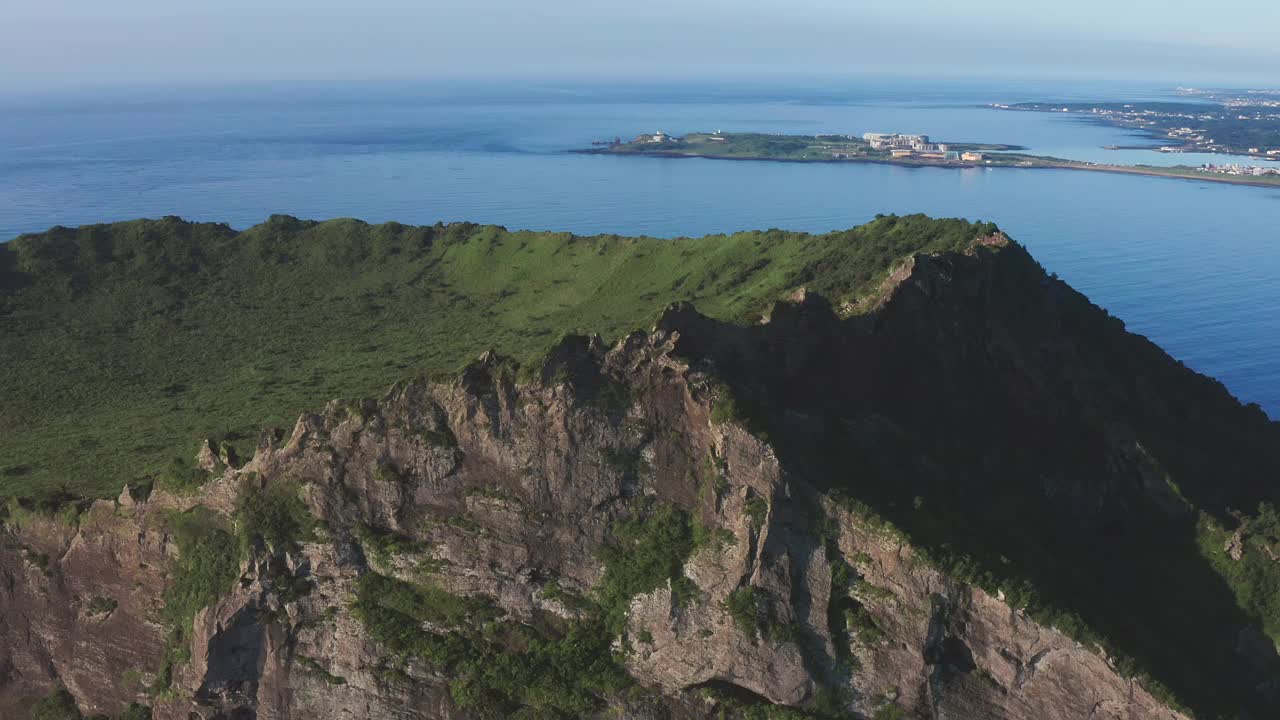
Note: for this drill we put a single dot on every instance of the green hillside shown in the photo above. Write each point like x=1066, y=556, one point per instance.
x=125, y=344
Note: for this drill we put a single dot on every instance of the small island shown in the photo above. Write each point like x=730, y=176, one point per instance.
x=912, y=150
x=870, y=147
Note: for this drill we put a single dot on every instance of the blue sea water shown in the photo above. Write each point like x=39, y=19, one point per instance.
x=1194, y=266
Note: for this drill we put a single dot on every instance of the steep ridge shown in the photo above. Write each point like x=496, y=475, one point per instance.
x=974, y=496
x=128, y=340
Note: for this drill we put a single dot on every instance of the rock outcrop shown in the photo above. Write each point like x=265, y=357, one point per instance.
x=506, y=493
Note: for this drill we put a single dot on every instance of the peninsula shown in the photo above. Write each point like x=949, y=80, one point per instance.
x=898, y=149
x=1211, y=121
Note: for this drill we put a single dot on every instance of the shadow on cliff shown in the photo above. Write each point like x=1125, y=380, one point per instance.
x=1025, y=442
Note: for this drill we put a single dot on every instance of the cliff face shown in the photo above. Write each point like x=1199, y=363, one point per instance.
x=743, y=519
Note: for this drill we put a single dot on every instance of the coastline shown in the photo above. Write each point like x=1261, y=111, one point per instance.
x=1150, y=172
x=1042, y=164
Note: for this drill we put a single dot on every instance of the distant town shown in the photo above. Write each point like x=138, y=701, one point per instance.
x=1241, y=170
x=1241, y=123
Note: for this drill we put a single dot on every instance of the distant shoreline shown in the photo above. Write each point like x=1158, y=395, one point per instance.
x=1040, y=164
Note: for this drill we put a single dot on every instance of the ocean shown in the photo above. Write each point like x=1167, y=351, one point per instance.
x=1195, y=266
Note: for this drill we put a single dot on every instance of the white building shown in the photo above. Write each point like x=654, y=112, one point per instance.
x=898, y=141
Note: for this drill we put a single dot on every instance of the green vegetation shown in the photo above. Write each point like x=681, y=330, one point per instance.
x=1254, y=579
x=863, y=627
x=757, y=509
x=903, y=498
x=129, y=341
x=874, y=592
x=387, y=473
x=102, y=605
x=498, y=668
x=743, y=605
x=315, y=668
x=985, y=677
x=425, y=603
x=207, y=565
x=136, y=712
x=833, y=148
x=58, y=705
x=273, y=515
x=56, y=506
x=1233, y=128
x=889, y=711
x=724, y=409
x=790, y=148
x=182, y=477
x=716, y=538
x=750, y=146
x=918, y=469
x=622, y=460
x=732, y=703
x=649, y=550
x=552, y=590
x=381, y=545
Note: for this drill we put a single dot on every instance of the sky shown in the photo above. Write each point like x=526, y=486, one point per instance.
x=72, y=45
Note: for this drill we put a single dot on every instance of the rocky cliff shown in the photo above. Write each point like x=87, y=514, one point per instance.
x=960, y=499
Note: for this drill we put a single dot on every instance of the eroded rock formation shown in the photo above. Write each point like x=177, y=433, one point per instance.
x=508, y=491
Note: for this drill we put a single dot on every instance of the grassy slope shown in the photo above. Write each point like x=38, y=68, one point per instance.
x=125, y=344
x=751, y=145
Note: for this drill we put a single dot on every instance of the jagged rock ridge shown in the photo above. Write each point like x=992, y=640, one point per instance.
x=791, y=594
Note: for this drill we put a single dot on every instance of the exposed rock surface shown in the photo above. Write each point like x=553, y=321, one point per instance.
x=502, y=487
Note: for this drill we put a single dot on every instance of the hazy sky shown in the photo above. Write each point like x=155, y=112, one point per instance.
x=64, y=44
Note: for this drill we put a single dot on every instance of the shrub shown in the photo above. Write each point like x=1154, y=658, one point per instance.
x=649, y=549
x=842, y=577
x=275, y=515
x=58, y=506
x=58, y=705
x=613, y=396
x=181, y=477
x=424, y=603
x=136, y=712
x=206, y=567
x=716, y=538
x=386, y=472
x=889, y=711
x=743, y=605
x=317, y=669
x=756, y=508
x=498, y=669
x=874, y=592
x=381, y=545
x=683, y=591
x=101, y=605
x=724, y=409
x=864, y=626
x=621, y=460
x=552, y=590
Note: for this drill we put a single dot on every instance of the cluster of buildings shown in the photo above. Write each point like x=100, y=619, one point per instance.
x=898, y=141
x=901, y=145
x=658, y=138
x=1243, y=170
